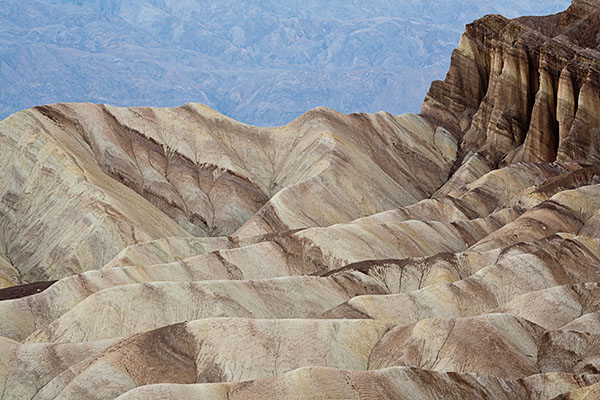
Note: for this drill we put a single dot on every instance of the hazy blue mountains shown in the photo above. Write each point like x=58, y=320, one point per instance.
x=261, y=62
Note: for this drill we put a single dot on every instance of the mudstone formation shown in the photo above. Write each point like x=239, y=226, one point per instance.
x=175, y=253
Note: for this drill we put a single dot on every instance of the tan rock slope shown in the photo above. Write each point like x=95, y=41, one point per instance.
x=453, y=254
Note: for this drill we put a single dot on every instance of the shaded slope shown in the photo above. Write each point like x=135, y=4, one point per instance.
x=454, y=254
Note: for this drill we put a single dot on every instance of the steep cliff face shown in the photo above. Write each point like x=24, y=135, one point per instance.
x=453, y=254
x=524, y=89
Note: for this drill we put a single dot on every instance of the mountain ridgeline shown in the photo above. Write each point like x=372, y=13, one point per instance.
x=260, y=62
x=177, y=253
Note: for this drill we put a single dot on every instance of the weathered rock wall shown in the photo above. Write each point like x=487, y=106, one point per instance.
x=524, y=89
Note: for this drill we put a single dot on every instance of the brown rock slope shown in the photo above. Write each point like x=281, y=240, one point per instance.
x=117, y=177
x=453, y=254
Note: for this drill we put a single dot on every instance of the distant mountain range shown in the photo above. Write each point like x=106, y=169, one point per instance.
x=261, y=62
x=175, y=253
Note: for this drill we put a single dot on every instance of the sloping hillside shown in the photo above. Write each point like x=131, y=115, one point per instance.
x=452, y=254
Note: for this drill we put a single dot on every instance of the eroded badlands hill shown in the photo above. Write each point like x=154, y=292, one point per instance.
x=453, y=254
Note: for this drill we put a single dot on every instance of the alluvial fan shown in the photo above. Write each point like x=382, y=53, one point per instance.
x=175, y=253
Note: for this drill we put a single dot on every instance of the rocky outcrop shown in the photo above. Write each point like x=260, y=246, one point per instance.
x=524, y=89
x=453, y=254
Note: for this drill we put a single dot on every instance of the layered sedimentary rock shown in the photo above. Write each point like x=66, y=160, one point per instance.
x=390, y=383
x=453, y=254
x=127, y=176
x=524, y=89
